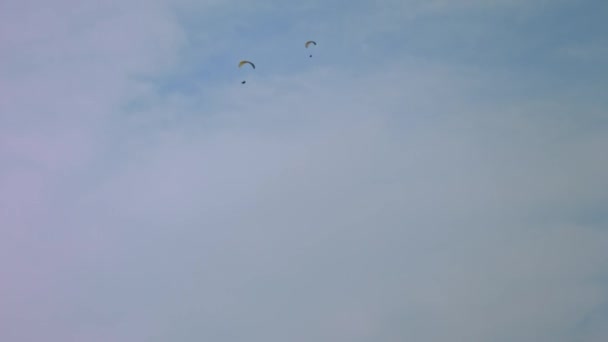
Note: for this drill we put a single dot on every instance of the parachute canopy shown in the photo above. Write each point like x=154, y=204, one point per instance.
x=241, y=63
x=310, y=42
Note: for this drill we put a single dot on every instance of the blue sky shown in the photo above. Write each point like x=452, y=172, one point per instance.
x=545, y=49
x=437, y=171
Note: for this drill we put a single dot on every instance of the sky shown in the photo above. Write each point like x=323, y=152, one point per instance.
x=436, y=171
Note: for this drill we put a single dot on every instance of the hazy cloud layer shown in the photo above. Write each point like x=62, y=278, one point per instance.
x=411, y=181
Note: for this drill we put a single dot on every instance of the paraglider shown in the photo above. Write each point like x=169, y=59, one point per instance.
x=307, y=44
x=241, y=63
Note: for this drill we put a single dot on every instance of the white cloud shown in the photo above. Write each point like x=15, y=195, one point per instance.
x=384, y=203
x=389, y=216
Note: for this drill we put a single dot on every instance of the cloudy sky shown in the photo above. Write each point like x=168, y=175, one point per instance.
x=437, y=171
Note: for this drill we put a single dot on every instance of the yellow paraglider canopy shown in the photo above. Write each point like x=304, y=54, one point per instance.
x=241, y=63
